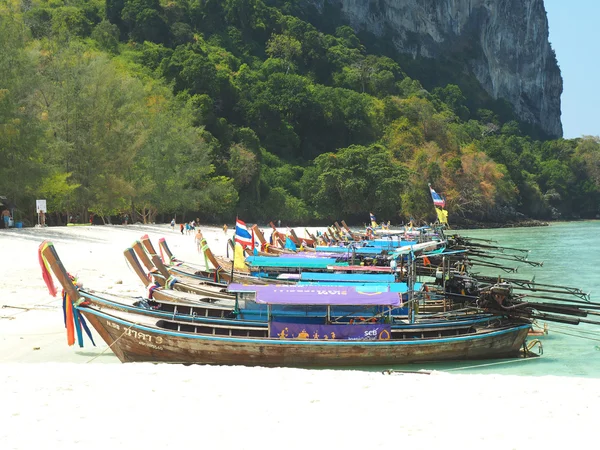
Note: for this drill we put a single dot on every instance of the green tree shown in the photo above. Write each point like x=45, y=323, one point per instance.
x=285, y=47
x=145, y=21
x=94, y=116
x=172, y=171
x=453, y=97
x=69, y=21
x=353, y=182
x=114, y=11
x=107, y=36
x=21, y=125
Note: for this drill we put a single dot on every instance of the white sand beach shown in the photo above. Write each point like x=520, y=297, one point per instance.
x=56, y=396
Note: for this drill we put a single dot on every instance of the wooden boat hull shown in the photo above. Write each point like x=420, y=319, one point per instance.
x=137, y=340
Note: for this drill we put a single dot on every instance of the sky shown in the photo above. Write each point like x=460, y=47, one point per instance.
x=574, y=35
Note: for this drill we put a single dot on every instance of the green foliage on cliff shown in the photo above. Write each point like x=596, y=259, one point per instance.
x=262, y=109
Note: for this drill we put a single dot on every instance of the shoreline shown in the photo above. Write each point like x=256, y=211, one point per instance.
x=463, y=225
x=474, y=225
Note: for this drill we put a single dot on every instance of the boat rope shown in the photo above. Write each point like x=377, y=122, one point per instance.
x=113, y=343
x=404, y=372
x=582, y=333
x=512, y=361
x=151, y=288
x=171, y=282
x=580, y=336
x=39, y=307
x=24, y=309
x=531, y=345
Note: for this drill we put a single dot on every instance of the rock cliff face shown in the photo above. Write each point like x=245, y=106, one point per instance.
x=506, y=42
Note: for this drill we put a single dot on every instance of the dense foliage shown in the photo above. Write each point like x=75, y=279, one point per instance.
x=260, y=108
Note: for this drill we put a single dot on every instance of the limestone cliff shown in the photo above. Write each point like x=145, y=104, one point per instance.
x=506, y=42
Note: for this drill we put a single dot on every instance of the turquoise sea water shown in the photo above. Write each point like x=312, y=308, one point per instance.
x=571, y=255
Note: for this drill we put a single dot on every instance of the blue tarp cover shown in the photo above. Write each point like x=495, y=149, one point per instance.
x=297, y=263
x=356, y=277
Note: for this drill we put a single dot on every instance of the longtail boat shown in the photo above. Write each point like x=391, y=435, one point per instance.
x=157, y=272
x=137, y=337
x=467, y=292
x=238, y=313
x=222, y=274
x=223, y=305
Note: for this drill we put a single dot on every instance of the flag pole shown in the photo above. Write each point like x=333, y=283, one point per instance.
x=441, y=213
x=233, y=259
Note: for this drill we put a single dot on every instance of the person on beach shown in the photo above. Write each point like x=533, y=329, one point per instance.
x=225, y=228
x=181, y=226
x=6, y=217
x=42, y=218
x=198, y=240
x=173, y=224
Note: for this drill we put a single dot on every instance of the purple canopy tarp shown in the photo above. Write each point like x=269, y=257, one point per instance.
x=316, y=295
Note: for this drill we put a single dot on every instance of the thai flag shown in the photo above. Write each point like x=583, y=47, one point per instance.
x=437, y=199
x=242, y=235
x=373, y=220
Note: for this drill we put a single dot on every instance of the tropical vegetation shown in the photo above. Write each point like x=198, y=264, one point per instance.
x=266, y=109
